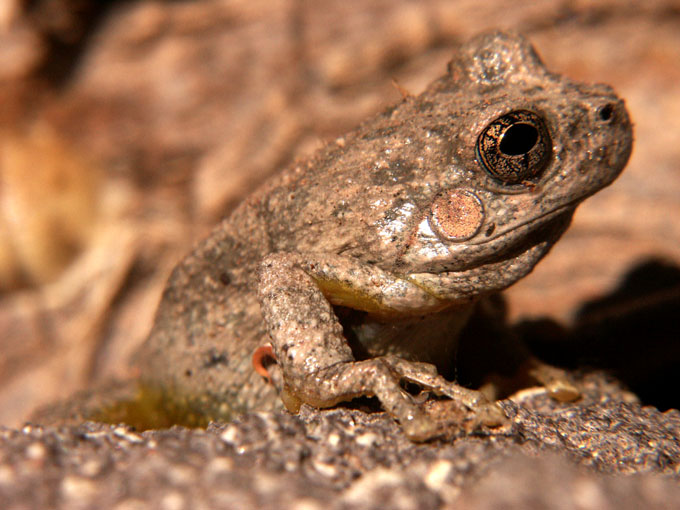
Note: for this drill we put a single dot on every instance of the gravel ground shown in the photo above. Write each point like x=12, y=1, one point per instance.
x=603, y=452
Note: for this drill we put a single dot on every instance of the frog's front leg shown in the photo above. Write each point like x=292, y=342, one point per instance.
x=296, y=292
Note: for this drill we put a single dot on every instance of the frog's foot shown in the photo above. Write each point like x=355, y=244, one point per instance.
x=554, y=381
x=478, y=408
x=383, y=378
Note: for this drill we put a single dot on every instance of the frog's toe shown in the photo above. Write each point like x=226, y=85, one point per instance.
x=563, y=391
x=420, y=428
x=410, y=369
x=555, y=380
x=471, y=399
x=469, y=407
x=491, y=415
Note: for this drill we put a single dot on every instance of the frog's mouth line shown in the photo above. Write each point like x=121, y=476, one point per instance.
x=547, y=218
x=535, y=243
x=497, y=271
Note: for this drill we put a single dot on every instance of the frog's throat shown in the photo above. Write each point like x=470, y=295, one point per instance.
x=471, y=283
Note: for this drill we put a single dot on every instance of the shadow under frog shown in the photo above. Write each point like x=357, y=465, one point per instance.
x=357, y=268
x=632, y=332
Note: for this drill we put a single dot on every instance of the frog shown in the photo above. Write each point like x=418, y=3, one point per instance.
x=352, y=272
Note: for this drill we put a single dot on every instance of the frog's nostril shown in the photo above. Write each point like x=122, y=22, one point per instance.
x=606, y=112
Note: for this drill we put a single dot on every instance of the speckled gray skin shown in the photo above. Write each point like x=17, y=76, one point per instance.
x=405, y=223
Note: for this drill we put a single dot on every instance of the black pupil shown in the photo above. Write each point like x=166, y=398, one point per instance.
x=519, y=139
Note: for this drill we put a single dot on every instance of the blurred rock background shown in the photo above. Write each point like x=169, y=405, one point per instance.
x=129, y=128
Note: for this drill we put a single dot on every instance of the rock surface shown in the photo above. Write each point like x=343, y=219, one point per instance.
x=181, y=108
x=566, y=456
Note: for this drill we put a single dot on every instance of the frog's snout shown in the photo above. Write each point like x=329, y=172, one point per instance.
x=456, y=214
x=612, y=136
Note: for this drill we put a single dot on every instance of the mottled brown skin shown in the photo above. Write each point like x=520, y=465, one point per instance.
x=405, y=222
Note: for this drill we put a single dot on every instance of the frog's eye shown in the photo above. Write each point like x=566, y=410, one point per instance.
x=515, y=148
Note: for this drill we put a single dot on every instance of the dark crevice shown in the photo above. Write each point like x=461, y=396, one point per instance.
x=633, y=333
x=66, y=29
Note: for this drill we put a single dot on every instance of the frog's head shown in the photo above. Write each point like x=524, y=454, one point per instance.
x=525, y=147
